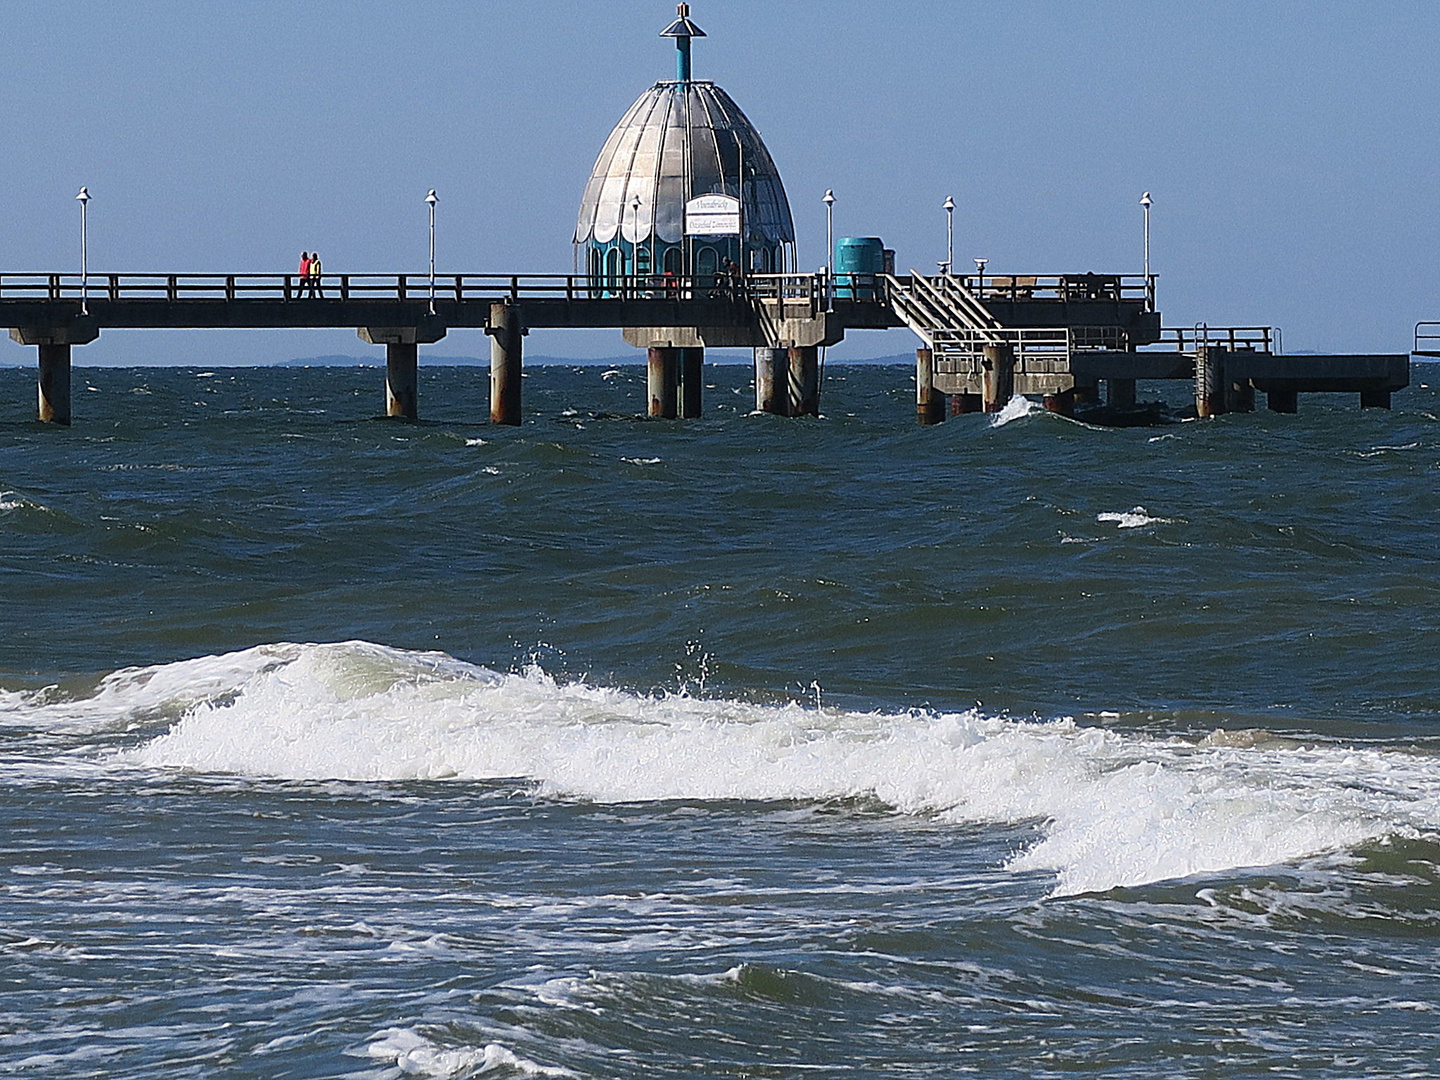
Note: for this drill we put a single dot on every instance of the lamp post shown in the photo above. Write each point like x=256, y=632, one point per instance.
x=635, y=243
x=829, y=201
x=949, y=232
x=430, y=201
x=1145, y=206
x=980, y=276
x=84, y=198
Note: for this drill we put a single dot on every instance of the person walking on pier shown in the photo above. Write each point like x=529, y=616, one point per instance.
x=315, y=270
x=304, y=274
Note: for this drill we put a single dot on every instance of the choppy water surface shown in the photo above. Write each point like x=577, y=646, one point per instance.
x=340, y=747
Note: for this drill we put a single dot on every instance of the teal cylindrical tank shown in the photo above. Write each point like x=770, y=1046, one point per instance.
x=858, y=259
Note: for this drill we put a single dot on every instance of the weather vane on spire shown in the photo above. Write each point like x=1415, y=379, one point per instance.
x=682, y=30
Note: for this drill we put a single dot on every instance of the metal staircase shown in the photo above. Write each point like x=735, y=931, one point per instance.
x=956, y=326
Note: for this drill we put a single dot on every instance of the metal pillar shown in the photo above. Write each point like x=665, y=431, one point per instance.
x=805, y=380
x=999, y=376
x=54, y=384
x=1120, y=393
x=1209, y=381
x=771, y=381
x=661, y=382
x=692, y=382
x=402, y=364
x=929, y=403
x=506, y=336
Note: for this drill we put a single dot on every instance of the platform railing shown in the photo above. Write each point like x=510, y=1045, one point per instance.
x=811, y=289
x=1036, y=348
x=1061, y=288
x=1187, y=339
x=1427, y=339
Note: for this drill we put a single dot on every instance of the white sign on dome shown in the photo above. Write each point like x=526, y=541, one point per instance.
x=712, y=215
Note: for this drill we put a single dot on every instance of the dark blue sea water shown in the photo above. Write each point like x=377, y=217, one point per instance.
x=333, y=746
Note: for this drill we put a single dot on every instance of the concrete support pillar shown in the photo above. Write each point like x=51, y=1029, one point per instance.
x=54, y=384
x=999, y=376
x=1087, y=393
x=1281, y=400
x=772, y=368
x=662, y=381
x=402, y=365
x=692, y=382
x=1374, y=399
x=1239, y=396
x=805, y=380
x=1062, y=402
x=1120, y=393
x=929, y=402
x=506, y=336
x=1209, y=381
x=963, y=404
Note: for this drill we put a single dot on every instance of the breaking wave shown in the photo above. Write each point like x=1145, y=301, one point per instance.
x=1114, y=809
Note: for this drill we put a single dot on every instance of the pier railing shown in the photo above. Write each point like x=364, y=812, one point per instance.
x=1036, y=348
x=1062, y=288
x=1427, y=339
x=1188, y=339
x=813, y=289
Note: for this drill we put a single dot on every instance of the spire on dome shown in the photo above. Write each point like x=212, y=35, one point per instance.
x=682, y=30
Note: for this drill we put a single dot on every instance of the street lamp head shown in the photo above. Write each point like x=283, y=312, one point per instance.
x=1145, y=200
x=829, y=199
x=980, y=264
x=949, y=203
x=431, y=198
x=84, y=196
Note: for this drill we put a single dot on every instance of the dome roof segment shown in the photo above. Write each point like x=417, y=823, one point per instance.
x=678, y=141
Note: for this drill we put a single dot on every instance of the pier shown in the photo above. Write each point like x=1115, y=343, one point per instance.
x=688, y=243
x=1060, y=337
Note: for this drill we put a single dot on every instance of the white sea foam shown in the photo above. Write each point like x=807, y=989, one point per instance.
x=1136, y=518
x=415, y=1054
x=1112, y=808
x=1017, y=408
x=13, y=500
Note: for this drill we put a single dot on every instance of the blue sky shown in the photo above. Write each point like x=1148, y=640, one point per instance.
x=1291, y=148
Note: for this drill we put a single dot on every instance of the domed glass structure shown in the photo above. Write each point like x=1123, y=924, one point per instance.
x=682, y=140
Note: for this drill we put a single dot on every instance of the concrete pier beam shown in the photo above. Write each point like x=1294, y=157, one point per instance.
x=964, y=404
x=804, y=380
x=662, y=381
x=506, y=338
x=1282, y=400
x=998, y=368
x=772, y=378
x=402, y=362
x=1239, y=396
x=929, y=402
x=53, y=345
x=692, y=383
x=1062, y=403
x=1374, y=399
